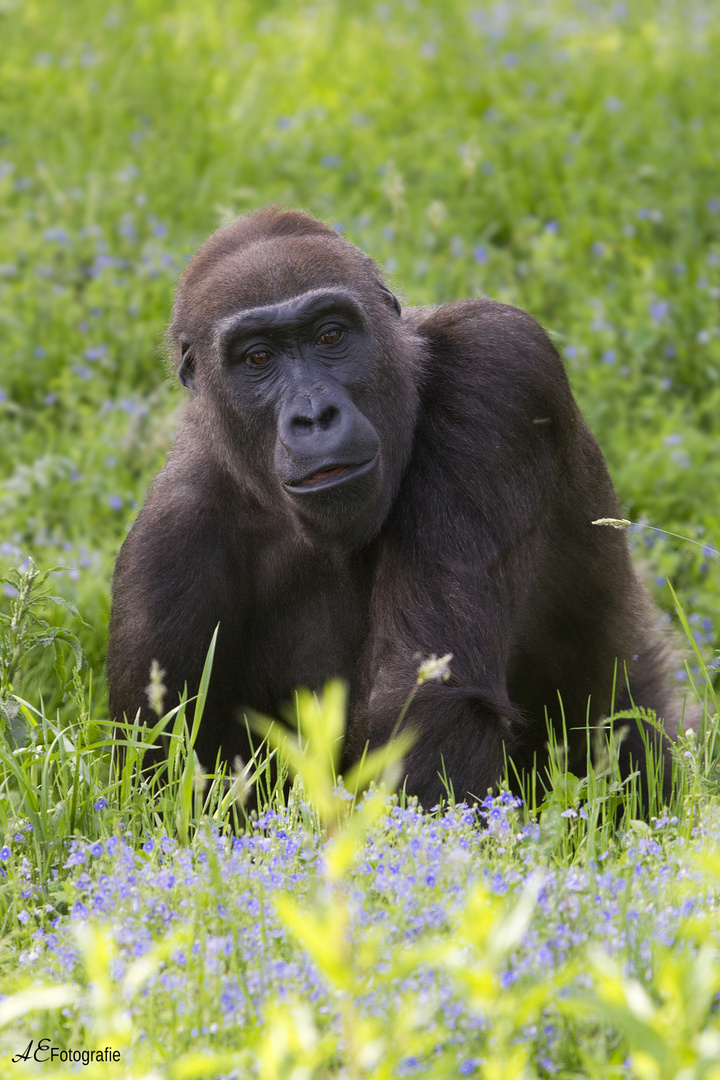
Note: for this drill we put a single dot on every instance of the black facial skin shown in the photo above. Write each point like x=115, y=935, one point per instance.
x=356, y=484
x=303, y=364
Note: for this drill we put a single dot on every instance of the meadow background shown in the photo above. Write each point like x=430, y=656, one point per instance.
x=563, y=156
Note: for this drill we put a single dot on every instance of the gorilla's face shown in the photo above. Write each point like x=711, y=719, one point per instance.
x=297, y=374
x=306, y=379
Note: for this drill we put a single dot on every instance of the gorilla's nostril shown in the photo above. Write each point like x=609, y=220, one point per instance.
x=323, y=419
x=328, y=416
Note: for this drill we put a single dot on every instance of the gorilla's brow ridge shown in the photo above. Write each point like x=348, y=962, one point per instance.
x=295, y=310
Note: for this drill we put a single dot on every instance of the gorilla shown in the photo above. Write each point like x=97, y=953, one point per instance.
x=356, y=485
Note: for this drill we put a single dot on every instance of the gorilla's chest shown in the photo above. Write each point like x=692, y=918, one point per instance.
x=307, y=626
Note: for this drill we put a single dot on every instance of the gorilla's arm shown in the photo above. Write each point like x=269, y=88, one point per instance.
x=498, y=475
x=171, y=589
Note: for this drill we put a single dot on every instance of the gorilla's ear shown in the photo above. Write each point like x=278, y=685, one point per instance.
x=390, y=298
x=186, y=371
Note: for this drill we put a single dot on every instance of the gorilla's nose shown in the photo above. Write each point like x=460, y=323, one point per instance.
x=314, y=423
x=314, y=416
x=322, y=430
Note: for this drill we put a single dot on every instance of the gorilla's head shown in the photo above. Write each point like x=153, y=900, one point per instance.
x=303, y=372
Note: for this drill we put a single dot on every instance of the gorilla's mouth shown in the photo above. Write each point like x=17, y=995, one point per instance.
x=329, y=476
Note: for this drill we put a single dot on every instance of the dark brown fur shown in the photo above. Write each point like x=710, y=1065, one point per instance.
x=473, y=537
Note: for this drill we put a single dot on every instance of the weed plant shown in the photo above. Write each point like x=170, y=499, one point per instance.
x=561, y=156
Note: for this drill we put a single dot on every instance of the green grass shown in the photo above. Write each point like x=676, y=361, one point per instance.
x=562, y=156
x=342, y=933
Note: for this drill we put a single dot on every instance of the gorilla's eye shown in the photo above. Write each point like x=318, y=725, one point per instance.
x=330, y=337
x=258, y=357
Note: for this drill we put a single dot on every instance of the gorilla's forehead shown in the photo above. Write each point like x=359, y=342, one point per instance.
x=271, y=273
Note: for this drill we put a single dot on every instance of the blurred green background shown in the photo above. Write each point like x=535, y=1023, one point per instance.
x=562, y=156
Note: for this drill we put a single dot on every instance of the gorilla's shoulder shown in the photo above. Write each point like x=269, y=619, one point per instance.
x=496, y=348
x=481, y=325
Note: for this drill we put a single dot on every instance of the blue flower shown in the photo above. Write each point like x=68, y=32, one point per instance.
x=57, y=236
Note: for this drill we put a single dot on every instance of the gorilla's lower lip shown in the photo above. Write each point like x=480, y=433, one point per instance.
x=329, y=476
